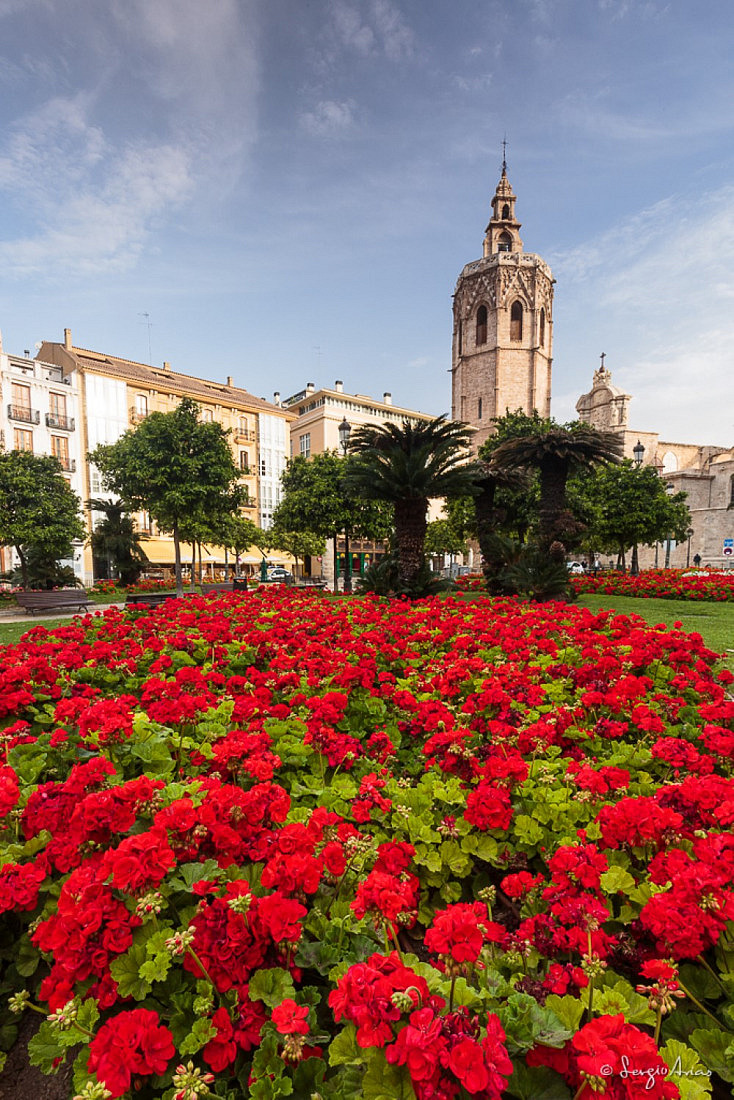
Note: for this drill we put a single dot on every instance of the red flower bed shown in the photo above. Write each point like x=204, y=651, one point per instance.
x=663, y=584
x=281, y=845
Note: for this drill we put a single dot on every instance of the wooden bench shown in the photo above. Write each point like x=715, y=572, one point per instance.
x=151, y=599
x=55, y=599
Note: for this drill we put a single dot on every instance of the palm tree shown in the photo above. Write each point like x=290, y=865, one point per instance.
x=115, y=540
x=407, y=465
x=556, y=452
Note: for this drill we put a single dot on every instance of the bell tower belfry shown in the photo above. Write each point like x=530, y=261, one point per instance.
x=503, y=325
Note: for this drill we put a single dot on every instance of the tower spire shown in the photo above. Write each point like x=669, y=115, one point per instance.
x=504, y=155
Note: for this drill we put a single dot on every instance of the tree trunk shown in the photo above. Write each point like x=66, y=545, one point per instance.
x=553, y=477
x=23, y=566
x=336, y=565
x=192, y=579
x=484, y=516
x=177, y=567
x=410, y=537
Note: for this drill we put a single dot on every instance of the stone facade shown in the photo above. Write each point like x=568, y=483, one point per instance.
x=503, y=326
x=704, y=473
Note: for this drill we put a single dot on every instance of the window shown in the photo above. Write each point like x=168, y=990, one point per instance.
x=541, y=335
x=516, y=321
x=22, y=440
x=20, y=396
x=60, y=449
x=504, y=244
x=304, y=444
x=263, y=468
x=243, y=424
x=479, y=409
x=57, y=405
x=505, y=213
x=244, y=462
x=145, y=525
x=481, y=334
x=207, y=416
x=141, y=404
x=460, y=338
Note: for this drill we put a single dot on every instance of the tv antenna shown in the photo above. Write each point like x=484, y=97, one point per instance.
x=149, y=323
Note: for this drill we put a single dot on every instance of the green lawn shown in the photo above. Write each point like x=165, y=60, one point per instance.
x=11, y=632
x=713, y=621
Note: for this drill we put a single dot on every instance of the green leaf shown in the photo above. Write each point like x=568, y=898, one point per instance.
x=126, y=972
x=616, y=879
x=713, y=1045
x=527, y=830
x=687, y=1071
x=344, y=1049
x=201, y=1032
x=271, y=986
x=27, y=959
x=385, y=1082
x=700, y=982
x=569, y=1010
x=538, y=1083
x=44, y=1049
x=621, y=997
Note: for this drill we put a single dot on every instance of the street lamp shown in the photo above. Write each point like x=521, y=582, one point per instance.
x=669, y=489
x=639, y=452
x=689, y=532
x=345, y=430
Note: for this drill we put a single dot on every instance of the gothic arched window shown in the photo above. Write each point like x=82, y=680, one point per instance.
x=505, y=243
x=541, y=336
x=516, y=321
x=481, y=335
x=505, y=213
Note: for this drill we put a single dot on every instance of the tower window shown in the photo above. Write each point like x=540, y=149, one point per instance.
x=460, y=338
x=479, y=409
x=504, y=243
x=542, y=329
x=505, y=213
x=482, y=325
x=516, y=321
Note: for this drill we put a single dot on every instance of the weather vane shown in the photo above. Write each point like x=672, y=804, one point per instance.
x=504, y=153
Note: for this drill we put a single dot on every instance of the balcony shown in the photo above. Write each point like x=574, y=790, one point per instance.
x=24, y=413
x=137, y=415
x=60, y=423
x=249, y=502
x=68, y=465
x=245, y=437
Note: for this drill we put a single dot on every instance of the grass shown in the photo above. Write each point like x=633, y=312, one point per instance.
x=12, y=632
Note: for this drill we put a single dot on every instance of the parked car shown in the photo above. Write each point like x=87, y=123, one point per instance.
x=278, y=573
x=575, y=567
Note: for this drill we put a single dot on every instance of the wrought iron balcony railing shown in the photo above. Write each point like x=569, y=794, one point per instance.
x=60, y=423
x=24, y=413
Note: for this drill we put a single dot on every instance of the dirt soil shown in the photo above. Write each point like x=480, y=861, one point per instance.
x=20, y=1080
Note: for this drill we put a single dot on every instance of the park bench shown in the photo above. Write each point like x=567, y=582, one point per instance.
x=55, y=599
x=150, y=599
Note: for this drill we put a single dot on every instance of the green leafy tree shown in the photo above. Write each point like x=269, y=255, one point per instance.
x=443, y=538
x=115, y=541
x=317, y=501
x=239, y=534
x=177, y=468
x=556, y=451
x=39, y=512
x=406, y=465
x=629, y=506
x=299, y=544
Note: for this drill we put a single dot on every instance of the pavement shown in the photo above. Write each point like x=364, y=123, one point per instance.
x=10, y=614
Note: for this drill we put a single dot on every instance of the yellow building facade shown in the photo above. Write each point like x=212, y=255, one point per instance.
x=116, y=394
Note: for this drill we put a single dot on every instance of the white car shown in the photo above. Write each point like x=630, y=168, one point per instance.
x=278, y=573
x=575, y=567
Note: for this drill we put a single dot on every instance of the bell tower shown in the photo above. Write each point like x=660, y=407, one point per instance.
x=503, y=325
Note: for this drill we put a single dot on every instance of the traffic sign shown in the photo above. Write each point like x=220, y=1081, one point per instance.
x=728, y=548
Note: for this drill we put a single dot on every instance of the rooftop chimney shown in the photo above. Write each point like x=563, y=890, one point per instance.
x=387, y=399
x=339, y=386
x=310, y=387
x=67, y=339
x=230, y=380
x=166, y=365
x=276, y=398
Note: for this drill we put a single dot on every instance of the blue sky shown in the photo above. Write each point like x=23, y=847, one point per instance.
x=289, y=188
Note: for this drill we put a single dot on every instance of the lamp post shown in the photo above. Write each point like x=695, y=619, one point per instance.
x=669, y=489
x=345, y=430
x=689, y=532
x=639, y=453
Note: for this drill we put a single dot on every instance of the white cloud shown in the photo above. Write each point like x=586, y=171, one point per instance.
x=374, y=27
x=329, y=118
x=658, y=289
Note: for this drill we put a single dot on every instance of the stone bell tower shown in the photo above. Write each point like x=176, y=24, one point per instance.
x=503, y=325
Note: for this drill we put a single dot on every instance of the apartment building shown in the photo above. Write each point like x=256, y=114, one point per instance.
x=116, y=394
x=319, y=414
x=39, y=412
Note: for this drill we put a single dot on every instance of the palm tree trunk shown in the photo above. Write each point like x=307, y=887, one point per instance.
x=484, y=516
x=410, y=537
x=553, y=477
x=23, y=565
